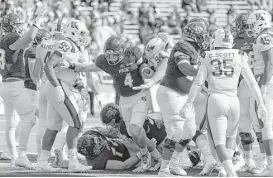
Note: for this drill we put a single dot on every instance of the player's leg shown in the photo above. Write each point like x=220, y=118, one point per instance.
x=170, y=102
x=10, y=126
x=42, y=123
x=59, y=144
x=26, y=109
x=200, y=137
x=54, y=123
x=218, y=108
x=69, y=112
x=267, y=133
x=134, y=111
x=245, y=127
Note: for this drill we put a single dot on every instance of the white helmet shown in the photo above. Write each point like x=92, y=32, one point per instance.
x=77, y=31
x=257, y=22
x=152, y=50
x=221, y=38
x=58, y=26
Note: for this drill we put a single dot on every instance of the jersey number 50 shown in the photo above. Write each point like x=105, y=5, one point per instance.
x=222, y=68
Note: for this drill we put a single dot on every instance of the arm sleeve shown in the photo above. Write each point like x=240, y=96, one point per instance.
x=250, y=80
x=198, y=82
x=180, y=57
x=100, y=62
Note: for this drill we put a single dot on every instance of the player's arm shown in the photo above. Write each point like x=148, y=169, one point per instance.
x=119, y=165
x=198, y=83
x=250, y=80
x=183, y=62
x=268, y=71
x=37, y=67
x=85, y=68
x=52, y=62
x=91, y=83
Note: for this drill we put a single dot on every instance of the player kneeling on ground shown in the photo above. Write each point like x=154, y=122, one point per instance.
x=222, y=68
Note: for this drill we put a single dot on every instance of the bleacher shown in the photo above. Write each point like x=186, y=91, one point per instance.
x=221, y=7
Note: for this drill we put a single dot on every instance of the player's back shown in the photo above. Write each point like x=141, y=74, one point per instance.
x=223, y=71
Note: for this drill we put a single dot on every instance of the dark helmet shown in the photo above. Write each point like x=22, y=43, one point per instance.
x=110, y=112
x=114, y=48
x=195, y=32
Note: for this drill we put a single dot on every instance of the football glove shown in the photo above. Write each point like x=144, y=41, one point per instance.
x=60, y=94
x=262, y=112
x=187, y=111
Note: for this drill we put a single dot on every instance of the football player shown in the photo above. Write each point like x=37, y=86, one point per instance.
x=102, y=152
x=12, y=90
x=156, y=52
x=173, y=92
x=154, y=129
x=43, y=52
x=248, y=116
x=260, y=23
x=62, y=98
x=123, y=64
x=222, y=68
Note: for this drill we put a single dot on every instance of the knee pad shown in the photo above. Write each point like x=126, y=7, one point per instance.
x=169, y=144
x=246, y=138
x=259, y=136
x=197, y=134
x=184, y=142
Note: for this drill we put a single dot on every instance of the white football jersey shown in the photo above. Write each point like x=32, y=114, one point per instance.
x=223, y=71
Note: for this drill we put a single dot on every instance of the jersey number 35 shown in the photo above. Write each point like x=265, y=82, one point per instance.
x=222, y=67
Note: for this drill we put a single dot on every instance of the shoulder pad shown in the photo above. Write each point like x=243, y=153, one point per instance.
x=186, y=48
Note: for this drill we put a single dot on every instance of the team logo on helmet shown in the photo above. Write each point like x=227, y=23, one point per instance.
x=257, y=22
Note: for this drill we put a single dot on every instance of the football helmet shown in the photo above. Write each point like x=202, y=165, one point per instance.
x=114, y=49
x=152, y=50
x=91, y=145
x=240, y=24
x=12, y=23
x=257, y=22
x=202, y=21
x=110, y=114
x=40, y=36
x=221, y=38
x=195, y=32
x=77, y=31
x=58, y=26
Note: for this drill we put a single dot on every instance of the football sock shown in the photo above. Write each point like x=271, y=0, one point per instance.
x=155, y=154
x=175, y=157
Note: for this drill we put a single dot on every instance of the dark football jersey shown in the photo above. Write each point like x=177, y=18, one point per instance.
x=30, y=54
x=125, y=74
x=174, y=78
x=112, y=149
x=152, y=131
x=13, y=58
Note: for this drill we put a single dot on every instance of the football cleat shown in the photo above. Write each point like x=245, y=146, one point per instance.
x=5, y=155
x=177, y=170
x=222, y=172
x=43, y=166
x=165, y=173
x=208, y=168
x=75, y=166
x=268, y=172
x=24, y=162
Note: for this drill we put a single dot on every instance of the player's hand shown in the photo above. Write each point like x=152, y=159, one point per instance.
x=159, y=123
x=147, y=85
x=40, y=17
x=187, y=111
x=262, y=112
x=60, y=94
x=166, y=38
x=85, y=95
